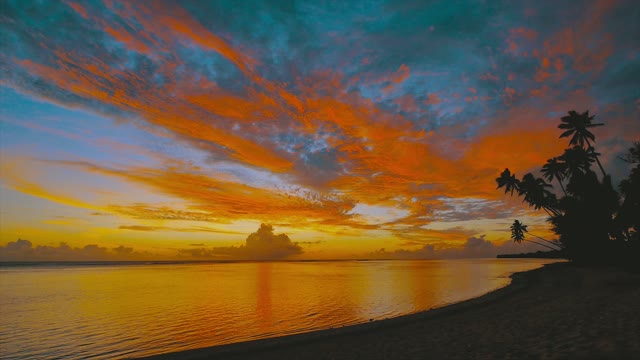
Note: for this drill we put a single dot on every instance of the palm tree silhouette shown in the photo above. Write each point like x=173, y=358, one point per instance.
x=536, y=194
x=628, y=216
x=555, y=169
x=594, y=222
x=517, y=234
x=577, y=126
x=517, y=231
x=577, y=161
x=509, y=181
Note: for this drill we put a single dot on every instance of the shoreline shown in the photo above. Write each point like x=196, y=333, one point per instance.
x=347, y=342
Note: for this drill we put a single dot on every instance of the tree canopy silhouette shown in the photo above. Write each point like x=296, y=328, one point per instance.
x=594, y=222
x=518, y=231
x=508, y=181
x=555, y=169
x=577, y=126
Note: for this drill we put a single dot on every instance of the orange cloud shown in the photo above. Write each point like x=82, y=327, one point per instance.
x=78, y=8
x=217, y=200
x=517, y=36
x=406, y=103
x=181, y=22
x=164, y=228
x=432, y=99
x=586, y=56
x=106, y=84
x=13, y=173
x=398, y=77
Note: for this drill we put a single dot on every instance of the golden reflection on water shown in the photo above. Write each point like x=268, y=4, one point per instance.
x=263, y=296
x=117, y=311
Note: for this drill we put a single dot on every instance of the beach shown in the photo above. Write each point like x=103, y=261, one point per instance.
x=556, y=312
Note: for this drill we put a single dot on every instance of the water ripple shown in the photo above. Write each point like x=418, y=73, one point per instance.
x=129, y=311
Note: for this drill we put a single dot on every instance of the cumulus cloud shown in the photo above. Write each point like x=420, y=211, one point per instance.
x=263, y=244
x=23, y=250
x=474, y=247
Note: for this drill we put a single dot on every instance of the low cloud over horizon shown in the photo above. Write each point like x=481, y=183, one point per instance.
x=474, y=247
x=24, y=250
x=263, y=244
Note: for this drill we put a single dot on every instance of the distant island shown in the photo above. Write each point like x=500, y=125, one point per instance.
x=554, y=254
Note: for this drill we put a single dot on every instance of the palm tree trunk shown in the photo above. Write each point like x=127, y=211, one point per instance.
x=597, y=160
x=543, y=239
x=600, y=165
x=562, y=186
x=541, y=244
x=554, y=211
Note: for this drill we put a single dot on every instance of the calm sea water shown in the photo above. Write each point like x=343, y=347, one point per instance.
x=116, y=311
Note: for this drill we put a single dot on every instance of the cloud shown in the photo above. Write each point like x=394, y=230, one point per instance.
x=139, y=228
x=260, y=245
x=474, y=247
x=216, y=200
x=123, y=250
x=317, y=242
x=177, y=229
x=399, y=108
x=23, y=250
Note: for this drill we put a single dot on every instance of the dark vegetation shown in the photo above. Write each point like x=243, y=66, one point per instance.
x=553, y=254
x=595, y=222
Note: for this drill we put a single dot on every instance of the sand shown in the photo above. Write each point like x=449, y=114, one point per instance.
x=560, y=311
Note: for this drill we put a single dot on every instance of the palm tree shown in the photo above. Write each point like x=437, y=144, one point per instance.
x=577, y=126
x=536, y=194
x=517, y=231
x=555, y=169
x=517, y=234
x=577, y=161
x=509, y=181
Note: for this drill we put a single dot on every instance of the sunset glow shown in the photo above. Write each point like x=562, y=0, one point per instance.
x=173, y=130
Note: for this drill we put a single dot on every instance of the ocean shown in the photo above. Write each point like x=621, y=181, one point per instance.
x=121, y=310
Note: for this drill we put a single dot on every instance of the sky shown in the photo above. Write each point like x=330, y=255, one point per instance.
x=296, y=129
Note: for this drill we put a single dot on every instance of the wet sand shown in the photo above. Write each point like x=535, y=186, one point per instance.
x=560, y=311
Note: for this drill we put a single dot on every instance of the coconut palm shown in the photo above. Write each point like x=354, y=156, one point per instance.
x=554, y=243
x=577, y=161
x=509, y=181
x=517, y=231
x=555, y=169
x=594, y=223
x=517, y=234
x=536, y=194
x=577, y=126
